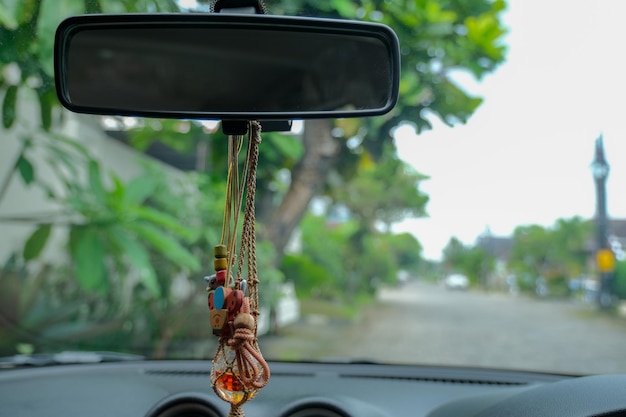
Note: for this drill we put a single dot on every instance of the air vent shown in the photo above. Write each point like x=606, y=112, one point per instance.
x=188, y=410
x=438, y=380
x=184, y=405
x=314, y=411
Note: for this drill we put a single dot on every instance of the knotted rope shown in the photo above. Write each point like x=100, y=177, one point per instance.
x=253, y=370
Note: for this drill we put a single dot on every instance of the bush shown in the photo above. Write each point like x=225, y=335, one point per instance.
x=620, y=280
x=310, y=279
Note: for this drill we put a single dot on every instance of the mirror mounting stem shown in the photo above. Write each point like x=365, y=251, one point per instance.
x=240, y=6
x=240, y=127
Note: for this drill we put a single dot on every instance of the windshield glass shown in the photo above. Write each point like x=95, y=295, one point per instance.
x=480, y=223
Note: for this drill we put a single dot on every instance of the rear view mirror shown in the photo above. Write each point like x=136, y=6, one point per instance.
x=215, y=66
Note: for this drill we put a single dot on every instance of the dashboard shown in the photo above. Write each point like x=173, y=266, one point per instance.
x=182, y=389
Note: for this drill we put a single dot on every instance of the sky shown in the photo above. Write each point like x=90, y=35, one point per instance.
x=524, y=156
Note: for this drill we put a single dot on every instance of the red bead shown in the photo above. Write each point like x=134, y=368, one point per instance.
x=220, y=277
x=233, y=303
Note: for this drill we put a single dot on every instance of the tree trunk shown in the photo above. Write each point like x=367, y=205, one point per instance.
x=309, y=175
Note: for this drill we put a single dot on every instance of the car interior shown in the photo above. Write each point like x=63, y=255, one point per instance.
x=253, y=74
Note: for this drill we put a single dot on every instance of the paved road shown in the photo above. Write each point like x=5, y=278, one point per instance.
x=424, y=323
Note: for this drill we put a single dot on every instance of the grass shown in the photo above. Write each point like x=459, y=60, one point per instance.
x=335, y=309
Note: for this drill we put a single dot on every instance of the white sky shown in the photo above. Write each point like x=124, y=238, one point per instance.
x=524, y=157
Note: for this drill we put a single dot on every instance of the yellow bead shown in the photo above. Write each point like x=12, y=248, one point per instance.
x=220, y=264
x=221, y=251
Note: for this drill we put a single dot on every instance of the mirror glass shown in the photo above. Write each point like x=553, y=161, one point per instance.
x=225, y=71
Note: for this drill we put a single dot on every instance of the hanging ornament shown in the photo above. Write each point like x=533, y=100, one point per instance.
x=238, y=369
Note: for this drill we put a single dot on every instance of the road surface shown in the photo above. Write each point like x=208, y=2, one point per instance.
x=427, y=324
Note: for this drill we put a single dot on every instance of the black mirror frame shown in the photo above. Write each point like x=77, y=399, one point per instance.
x=383, y=32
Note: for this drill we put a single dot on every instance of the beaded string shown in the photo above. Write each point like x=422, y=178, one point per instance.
x=234, y=198
x=246, y=371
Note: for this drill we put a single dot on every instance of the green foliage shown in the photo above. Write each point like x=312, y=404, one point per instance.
x=278, y=154
x=118, y=234
x=47, y=311
x=279, y=150
x=131, y=259
x=36, y=242
x=620, y=280
x=26, y=169
x=570, y=244
x=116, y=224
x=270, y=276
x=128, y=241
x=387, y=192
x=27, y=32
x=180, y=135
x=429, y=270
x=557, y=253
x=310, y=279
x=551, y=255
x=49, y=17
x=406, y=249
x=8, y=107
x=88, y=253
x=340, y=260
x=326, y=245
x=471, y=261
x=436, y=37
x=105, y=222
x=376, y=265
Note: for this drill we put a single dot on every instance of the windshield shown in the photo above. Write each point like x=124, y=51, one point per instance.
x=479, y=223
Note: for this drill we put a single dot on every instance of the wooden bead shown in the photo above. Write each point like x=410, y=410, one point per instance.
x=220, y=264
x=244, y=321
x=234, y=301
x=218, y=319
x=220, y=278
x=219, y=297
x=221, y=251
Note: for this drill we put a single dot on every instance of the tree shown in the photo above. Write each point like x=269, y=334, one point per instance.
x=378, y=195
x=436, y=38
x=97, y=217
x=381, y=193
x=471, y=261
x=124, y=245
x=406, y=250
x=571, y=237
x=337, y=261
x=531, y=250
x=556, y=254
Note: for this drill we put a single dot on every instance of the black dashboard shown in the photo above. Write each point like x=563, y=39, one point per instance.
x=182, y=389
